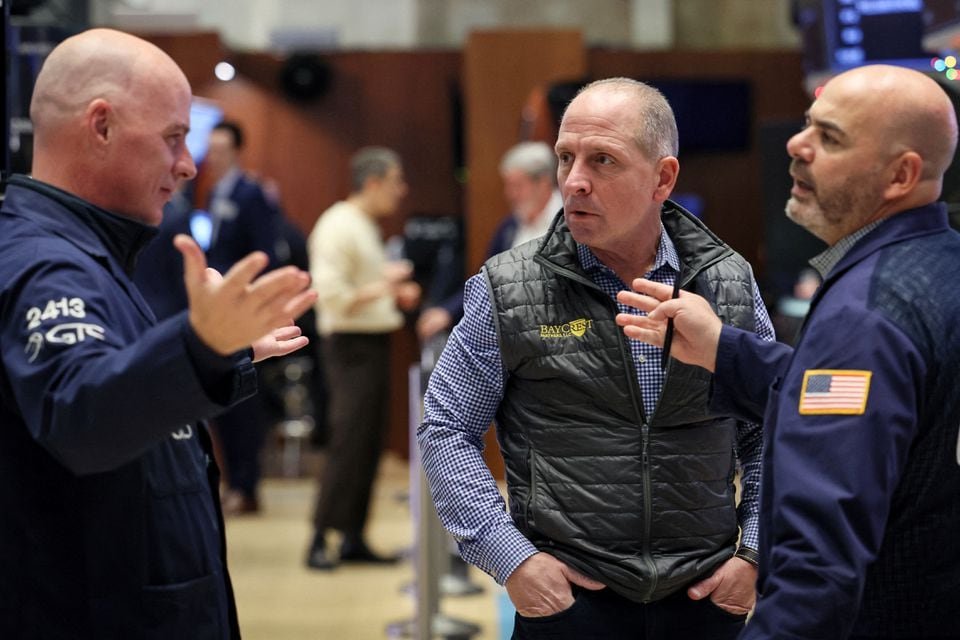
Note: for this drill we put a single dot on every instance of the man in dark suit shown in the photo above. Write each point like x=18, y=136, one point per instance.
x=243, y=218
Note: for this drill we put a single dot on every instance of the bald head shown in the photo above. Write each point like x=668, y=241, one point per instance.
x=906, y=109
x=877, y=142
x=110, y=115
x=99, y=63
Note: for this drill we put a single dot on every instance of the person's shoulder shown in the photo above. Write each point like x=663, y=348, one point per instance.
x=42, y=257
x=519, y=254
x=21, y=236
x=339, y=210
x=338, y=224
x=919, y=272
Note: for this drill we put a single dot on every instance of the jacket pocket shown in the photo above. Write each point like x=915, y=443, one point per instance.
x=177, y=466
x=188, y=609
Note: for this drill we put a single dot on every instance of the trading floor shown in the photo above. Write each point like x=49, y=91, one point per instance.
x=280, y=599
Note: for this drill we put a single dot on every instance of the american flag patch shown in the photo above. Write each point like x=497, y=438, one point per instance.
x=836, y=391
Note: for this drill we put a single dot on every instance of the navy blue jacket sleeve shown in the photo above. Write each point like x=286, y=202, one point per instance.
x=92, y=386
x=832, y=475
x=747, y=366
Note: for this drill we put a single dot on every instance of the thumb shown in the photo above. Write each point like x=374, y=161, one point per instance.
x=704, y=588
x=666, y=310
x=581, y=580
x=212, y=275
x=194, y=262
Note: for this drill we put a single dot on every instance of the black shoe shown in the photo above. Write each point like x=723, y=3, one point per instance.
x=317, y=558
x=359, y=552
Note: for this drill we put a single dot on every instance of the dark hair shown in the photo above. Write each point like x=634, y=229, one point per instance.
x=371, y=162
x=235, y=130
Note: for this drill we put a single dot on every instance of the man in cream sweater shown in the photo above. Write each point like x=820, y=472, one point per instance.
x=362, y=295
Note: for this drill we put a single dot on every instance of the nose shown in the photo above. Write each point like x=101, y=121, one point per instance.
x=185, y=169
x=798, y=146
x=574, y=179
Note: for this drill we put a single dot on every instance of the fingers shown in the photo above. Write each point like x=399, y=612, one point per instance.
x=655, y=337
x=243, y=272
x=298, y=305
x=271, y=346
x=288, y=332
x=639, y=301
x=653, y=307
x=579, y=579
x=213, y=275
x=194, y=262
x=643, y=322
x=653, y=289
x=704, y=588
x=276, y=284
x=289, y=346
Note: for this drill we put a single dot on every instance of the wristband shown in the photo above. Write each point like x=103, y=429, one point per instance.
x=748, y=554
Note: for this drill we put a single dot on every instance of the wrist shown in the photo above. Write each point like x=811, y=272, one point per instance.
x=749, y=555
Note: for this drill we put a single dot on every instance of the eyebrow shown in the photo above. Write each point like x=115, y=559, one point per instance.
x=824, y=124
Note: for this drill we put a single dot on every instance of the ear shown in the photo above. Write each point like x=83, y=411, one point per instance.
x=668, y=169
x=904, y=174
x=98, y=119
x=371, y=183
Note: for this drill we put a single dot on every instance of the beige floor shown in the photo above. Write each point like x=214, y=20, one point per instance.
x=279, y=599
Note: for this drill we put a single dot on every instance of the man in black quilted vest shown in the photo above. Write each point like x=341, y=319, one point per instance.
x=622, y=520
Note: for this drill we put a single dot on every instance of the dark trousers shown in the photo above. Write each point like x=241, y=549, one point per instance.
x=604, y=615
x=357, y=369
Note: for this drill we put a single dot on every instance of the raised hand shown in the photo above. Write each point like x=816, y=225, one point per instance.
x=232, y=311
x=696, y=328
x=279, y=342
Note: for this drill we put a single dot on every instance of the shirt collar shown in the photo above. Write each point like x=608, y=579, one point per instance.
x=826, y=261
x=666, y=256
x=226, y=184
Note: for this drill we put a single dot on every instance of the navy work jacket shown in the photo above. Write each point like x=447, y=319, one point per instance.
x=860, y=501
x=109, y=522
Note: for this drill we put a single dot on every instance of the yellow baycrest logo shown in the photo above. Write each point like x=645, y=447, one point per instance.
x=575, y=328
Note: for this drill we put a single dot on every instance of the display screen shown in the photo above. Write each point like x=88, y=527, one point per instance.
x=204, y=116
x=843, y=34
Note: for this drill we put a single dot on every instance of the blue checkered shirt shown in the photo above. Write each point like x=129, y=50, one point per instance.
x=465, y=391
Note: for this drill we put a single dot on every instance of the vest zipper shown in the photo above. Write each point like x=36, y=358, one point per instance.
x=647, y=514
x=644, y=461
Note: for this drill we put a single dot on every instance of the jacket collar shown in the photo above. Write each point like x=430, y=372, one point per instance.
x=912, y=223
x=697, y=247
x=94, y=230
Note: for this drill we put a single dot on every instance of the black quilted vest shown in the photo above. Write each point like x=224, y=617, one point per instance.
x=642, y=503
